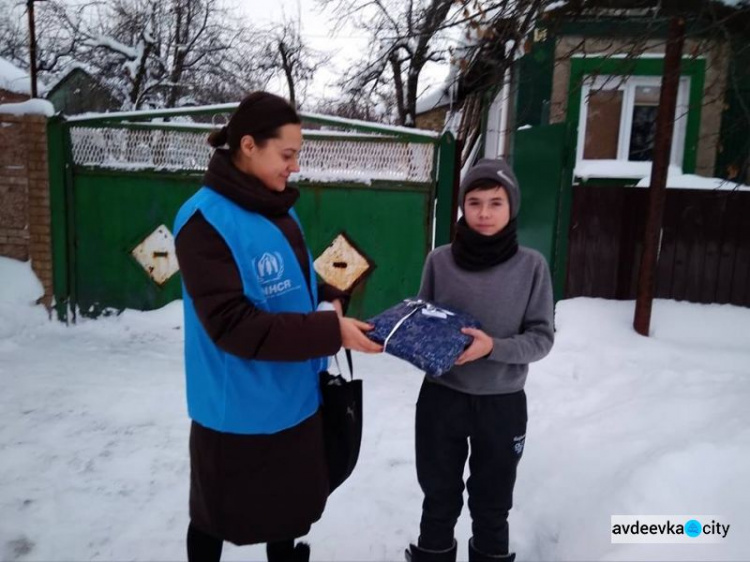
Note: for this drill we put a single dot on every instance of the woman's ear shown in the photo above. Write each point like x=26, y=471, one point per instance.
x=247, y=145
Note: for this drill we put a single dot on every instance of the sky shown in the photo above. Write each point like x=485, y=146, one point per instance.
x=317, y=28
x=344, y=45
x=94, y=432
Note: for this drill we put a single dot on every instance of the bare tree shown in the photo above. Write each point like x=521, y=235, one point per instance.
x=405, y=36
x=171, y=53
x=56, y=45
x=377, y=106
x=14, y=41
x=286, y=52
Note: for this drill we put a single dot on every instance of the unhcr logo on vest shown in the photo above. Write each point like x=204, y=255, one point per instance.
x=270, y=269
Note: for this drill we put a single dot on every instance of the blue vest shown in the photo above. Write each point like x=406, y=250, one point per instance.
x=228, y=393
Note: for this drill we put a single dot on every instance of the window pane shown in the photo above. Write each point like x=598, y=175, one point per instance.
x=644, y=123
x=602, y=125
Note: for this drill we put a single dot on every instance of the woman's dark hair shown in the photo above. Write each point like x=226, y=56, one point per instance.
x=259, y=115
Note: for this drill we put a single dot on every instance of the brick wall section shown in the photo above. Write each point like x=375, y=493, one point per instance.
x=25, y=231
x=7, y=96
x=433, y=119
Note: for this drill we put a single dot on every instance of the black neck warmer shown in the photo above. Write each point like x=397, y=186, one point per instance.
x=474, y=251
x=247, y=191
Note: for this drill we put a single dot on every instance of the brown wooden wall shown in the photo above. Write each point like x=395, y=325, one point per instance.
x=705, y=246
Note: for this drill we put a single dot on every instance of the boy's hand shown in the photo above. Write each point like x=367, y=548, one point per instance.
x=480, y=347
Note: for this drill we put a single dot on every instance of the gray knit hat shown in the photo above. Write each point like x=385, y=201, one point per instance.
x=495, y=170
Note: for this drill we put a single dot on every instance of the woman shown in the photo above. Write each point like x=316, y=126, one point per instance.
x=254, y=344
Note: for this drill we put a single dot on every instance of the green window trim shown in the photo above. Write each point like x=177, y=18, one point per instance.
x=695, y=69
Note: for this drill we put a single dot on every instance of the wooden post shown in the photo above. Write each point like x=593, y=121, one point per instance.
x=32, y=46
x=657, y=190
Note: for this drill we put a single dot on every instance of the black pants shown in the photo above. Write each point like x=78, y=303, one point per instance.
x=495, y=427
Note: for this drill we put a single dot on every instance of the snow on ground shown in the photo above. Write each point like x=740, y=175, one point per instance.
x=93, y=437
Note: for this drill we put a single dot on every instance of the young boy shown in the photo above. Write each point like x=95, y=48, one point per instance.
x=480, y=401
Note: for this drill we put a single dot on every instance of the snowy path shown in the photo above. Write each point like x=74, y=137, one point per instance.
x=93, y=438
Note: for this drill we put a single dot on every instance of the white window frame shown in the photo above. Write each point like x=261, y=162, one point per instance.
x=628, y=84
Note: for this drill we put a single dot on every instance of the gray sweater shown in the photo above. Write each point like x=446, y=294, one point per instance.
x=513, y=302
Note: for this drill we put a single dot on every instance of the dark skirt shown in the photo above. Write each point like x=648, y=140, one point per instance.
x=249, y=489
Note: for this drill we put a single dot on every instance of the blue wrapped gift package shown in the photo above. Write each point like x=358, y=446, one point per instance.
x=425, y=334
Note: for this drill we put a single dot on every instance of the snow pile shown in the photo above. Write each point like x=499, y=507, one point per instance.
x=93, y=434
x=19, y=285
x=621, y=424
x=29, y=107
x=617, y=169
x=19, y=291
x=692, y=181
x=641, y=171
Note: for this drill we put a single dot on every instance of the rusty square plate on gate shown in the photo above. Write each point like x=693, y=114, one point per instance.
x=342, y=264
x=157, y=255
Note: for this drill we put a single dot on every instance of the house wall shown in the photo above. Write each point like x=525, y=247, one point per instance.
x=716, y=56
x=433, y=119
x=79, y=93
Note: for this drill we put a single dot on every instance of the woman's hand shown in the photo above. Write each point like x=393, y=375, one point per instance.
x=480, y=347
x=337, y=306
x=352, y=336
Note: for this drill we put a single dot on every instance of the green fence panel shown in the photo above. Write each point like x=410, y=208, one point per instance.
x=119, y=177
x=389, y=225
x=540, y=162
x=114, y=212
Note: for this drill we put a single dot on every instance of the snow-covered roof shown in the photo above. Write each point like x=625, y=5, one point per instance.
x=14, y=79
x=433, y=97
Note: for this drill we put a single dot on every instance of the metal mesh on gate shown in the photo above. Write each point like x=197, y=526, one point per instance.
x=320, y=160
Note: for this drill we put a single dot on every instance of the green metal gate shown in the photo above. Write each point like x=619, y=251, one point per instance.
x=118, y=179
x=541, y=161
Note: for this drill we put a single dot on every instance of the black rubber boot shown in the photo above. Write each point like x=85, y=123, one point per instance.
x=301, y=552
x=417, y=554
x=287, y=551
x=477, y=556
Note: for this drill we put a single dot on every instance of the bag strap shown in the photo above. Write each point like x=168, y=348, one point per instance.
x=349, y=362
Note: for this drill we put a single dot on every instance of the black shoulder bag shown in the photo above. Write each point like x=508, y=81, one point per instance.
x=342, y=422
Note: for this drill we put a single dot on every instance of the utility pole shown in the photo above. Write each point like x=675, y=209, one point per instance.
x=658, y=189
x=32, y=46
